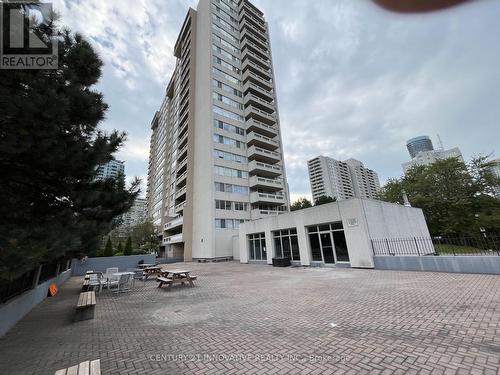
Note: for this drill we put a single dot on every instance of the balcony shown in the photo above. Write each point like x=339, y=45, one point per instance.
x=178, y=238
x=247, y=54
x=175, y=223
x=181, y=180
x=181, y=166
x=255, y=22
x=264, y=170
x=261, y=128
x=180, y=207
x=259, y=214
x=258, y=91
x=257, y=79
x=257, y=182
x=265, y=156
x=262, y=53
x=245, y=25
x=264, y=198
x=258, y=40
x=245, y=6
x=257, y=69
x=259, y=115
x=254, y=139
x=260, y=103
x=180, y=192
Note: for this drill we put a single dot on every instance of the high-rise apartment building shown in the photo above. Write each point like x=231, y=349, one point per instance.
x=342, y=179
x=216, y=157
x=111, y=169
x=419, y=144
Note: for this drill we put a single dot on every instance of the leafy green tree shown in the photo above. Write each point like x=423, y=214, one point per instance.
x=457, y=198
x=300, y=204
x=324, y=199
x=145, y=237
x=128, y=247
x=108, y=249
x=50, y=146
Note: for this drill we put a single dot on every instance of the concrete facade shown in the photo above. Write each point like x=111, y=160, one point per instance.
x=216, y=156
x=342, y=179
x=361, y=219
x=457, y=264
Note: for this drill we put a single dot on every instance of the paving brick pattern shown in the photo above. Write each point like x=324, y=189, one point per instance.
x=256, y=319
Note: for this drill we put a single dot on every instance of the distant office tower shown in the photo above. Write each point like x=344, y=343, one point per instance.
x=430, y=157
x=495, y=169
x=342, y=179
x=216, y=157
x=419, y=144
x=111, y=169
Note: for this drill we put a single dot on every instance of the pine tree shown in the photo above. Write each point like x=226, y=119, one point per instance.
x=119, y=249
x=108, y=250
x=50, y=146
x=128, y=247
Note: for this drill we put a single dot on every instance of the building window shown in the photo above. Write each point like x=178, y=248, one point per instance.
x=229, y=141
x=257, y=247
x=227, y=88
x=228, y=114
x=223, y=205
x=227, y=101
x=240, y=206
x=328, y=243
x=286, y=244
x=228, y=223
x=228, y=127
x=230, y=172
x=229, y=188
x=230, y=157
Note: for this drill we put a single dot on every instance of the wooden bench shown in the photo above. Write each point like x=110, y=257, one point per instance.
x=86, y=285
x=84, y=368
x=164, y=280
x=85, y=306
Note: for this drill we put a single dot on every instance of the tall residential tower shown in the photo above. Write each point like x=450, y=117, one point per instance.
x=216, y=157
x=342, y=179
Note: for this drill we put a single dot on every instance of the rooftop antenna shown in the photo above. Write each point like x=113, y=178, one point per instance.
x=441, y=147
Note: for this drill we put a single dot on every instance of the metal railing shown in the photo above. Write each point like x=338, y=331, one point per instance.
x=30, y=279
x=426, y=246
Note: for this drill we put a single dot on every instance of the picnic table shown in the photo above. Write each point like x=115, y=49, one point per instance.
x=175, y=276
x=145, y=265
x=149, y=271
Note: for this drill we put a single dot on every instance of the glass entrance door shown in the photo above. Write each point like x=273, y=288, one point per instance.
x=327, y=247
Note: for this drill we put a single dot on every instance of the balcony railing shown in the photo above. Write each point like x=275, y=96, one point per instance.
x=264, y=198
x=266, y=156
x=178, y=238
x=262, y=141
x=267, y=183
x=174, y=223
x=267, y=130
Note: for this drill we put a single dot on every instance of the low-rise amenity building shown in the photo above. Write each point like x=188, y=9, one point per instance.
x=338, y=233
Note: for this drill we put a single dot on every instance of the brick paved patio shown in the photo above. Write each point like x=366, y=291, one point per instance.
x=256, y=319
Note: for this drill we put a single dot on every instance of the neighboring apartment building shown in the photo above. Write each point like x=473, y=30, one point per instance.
x=430, y=157
x=111, y=169
x=135, y=216
x=216, y=156
x=342, y=179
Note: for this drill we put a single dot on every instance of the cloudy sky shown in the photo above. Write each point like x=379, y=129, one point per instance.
x=353, y=80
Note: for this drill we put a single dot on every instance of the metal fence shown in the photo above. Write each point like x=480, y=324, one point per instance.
x=29, y=280
x=425, y=246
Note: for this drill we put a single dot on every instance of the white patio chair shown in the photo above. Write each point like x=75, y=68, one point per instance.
x=121, y=285
x=138, y=275
x=109, y=275
x=97, y=281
